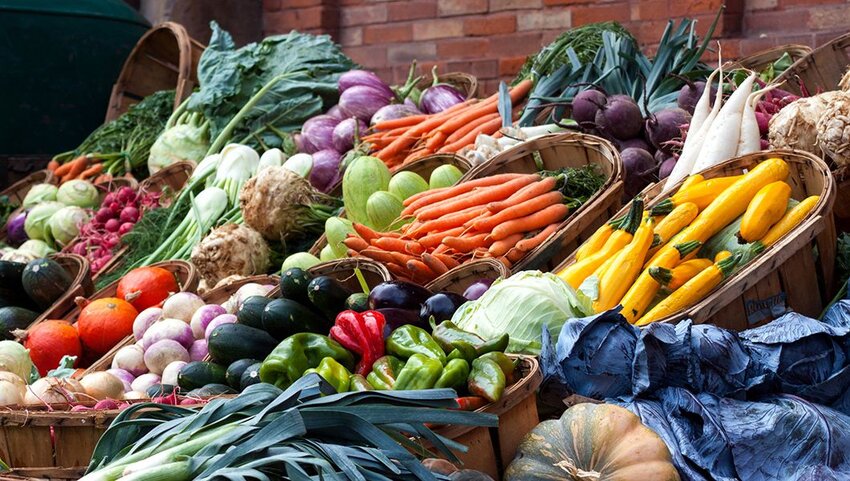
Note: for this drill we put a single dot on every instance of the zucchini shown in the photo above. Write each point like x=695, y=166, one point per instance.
x=328, y=295
x=198, y=374
x=285, y=317
x=765, y=210
x=235, y=370
x=159, y=390
x=251, y=376
x=214, y=389
x=10, y=275
x=12, y=318
x=293, y=285
x=250, y=313
x=45, y=281
x=232, y=342
x=357, y=302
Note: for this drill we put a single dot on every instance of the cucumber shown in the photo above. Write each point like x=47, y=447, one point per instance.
x=250, y=313
x=211, y=390
x=293, y=284
x=328, y=295
x=251, y=376
x=10, y=276
x=198, y=374
x=235, y=370
x=285, y=317
x=232, y=342
x=357, y=302
x=12, y=318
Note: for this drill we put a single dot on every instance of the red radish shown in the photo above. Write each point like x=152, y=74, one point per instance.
x=103, y=214
x=129, y=214
x=112, y=225
x=125, y=228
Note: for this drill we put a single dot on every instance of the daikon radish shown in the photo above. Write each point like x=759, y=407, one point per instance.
x=721, y=143
x=750, y=140
x=703, y=106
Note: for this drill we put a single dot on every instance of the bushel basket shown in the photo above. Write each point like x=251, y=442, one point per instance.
x=458, y=279
x=821, y=70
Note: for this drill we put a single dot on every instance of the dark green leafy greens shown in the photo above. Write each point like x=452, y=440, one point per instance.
x=299, y=70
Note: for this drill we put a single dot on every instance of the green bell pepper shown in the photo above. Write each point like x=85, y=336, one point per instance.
x=447, y=334
x=408, y=340
x=333, y=372
x=487, y=379
x=507, y=364
x=299, y=352
x=359, y=383
x=385, y=372
x=498, y=344
x=463, y=350
x=454, y=374
x=420, y=372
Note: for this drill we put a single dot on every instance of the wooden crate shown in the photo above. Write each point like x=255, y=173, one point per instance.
x=51, y=474
x=795, y=273
x=17, y=191
x=78, y=268
x=165, y=58
x=557, y=151
x=458, y=279
x=764, y=58
x=220, y=294
x=821, y=70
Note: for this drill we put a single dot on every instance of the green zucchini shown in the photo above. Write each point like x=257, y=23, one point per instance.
x=198, y=374
x=328, y=295
x=293, y=284
x=235, y=370
x=45, y=281
x=358, y=302
x=232, y=342
x=250, y=313
x=251, y=376
x=12, y=318
x=285, y=317
x=11, y=274
x=158, y=390
x=214, y=389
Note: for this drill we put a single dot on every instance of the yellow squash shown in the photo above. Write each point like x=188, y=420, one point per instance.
x=791, y=219
x=691, y=181
x=766, y=208
x=722, y=255
x=625, y=268
x=596, y=241
x=676, y=278
x=700, y=194
x=691, y=292
x=673, y=223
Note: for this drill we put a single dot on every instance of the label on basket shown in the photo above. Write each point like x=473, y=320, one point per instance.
x=759, y=310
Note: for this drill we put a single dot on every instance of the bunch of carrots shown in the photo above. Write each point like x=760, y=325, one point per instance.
x=84, y=167
x=502, y=216
x=400, y=141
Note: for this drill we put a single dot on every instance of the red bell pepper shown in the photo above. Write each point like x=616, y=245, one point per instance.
x=363, y=334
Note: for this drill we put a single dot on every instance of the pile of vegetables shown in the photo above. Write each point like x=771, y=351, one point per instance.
x=816, y=124
x=27, y=290
x=503, y=216
x=659, y=261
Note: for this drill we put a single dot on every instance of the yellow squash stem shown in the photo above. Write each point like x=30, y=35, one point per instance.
x=644, y=289
x=691, y=181
x=791, y=219
x=691, y=292
x=673, y=223
x=701, y=194
x=676, y=278
x=765, y=210
x=624, y=269
x=576, y=273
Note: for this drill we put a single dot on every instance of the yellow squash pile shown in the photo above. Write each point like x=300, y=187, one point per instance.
x=654, y=256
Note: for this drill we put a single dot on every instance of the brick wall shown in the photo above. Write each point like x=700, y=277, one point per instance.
x=491, y=38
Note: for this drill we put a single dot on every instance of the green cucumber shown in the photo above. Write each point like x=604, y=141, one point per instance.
x=45, y=281
x=250, y=313
x=235, y=370
x=198, y=374
x=328, y=295
x=285, y=317
x=293, y=284
x=232, y=342
x=251, y=376
x=209, y=390
x=10, y=275
x=12, y=318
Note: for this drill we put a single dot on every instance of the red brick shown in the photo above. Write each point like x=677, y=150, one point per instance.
x=549, y=36
x=350, y=36
x=449, y=8
x=806, y=3
x=650, y=10
x=497, y=5
x=769, y=22
x=548, y=18
x=649, y=32
x=510, y=65
x=371, y=56
x=346, y=3
x=285, y=4
x=488, y=87
x=363, y=15
x=479, y=68
x=437, y=28
x=618, y=12
x=271, y=5
x=566, y=2
x=387, y=33
x=826, y=18
x=296, y=18
x=462, y=48
x=692, y=7
x=515, y=44
x=762, y=4
x=490, y=25
x=408, y=52
x=412, y=10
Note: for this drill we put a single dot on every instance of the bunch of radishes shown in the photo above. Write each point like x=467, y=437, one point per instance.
x=118, y=213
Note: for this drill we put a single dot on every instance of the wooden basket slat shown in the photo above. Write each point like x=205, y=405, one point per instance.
x=19, y=189
x=458, y=279
x=466, y=84
x=764, y=58
x=220, y=294
x=820, y=70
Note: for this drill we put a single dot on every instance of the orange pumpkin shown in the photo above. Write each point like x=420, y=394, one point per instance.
x=146, y=286
x=103, y=323
x=48, y=341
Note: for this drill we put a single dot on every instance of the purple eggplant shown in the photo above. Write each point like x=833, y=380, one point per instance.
x=345, y=132
x=15, y=230
x=439, y=97
x=395, y=111
x=399, y=295
x=319, y=131
x=325, y=172
x=477, y=289
x=363, y=102
x=397, y=317
x=303, y=144
x=364, y=78
x=336, y=113
x=441, y=306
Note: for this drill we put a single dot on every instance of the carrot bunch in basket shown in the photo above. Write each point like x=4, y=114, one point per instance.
x=84, y=167
x=400, y=141
x=504, y=216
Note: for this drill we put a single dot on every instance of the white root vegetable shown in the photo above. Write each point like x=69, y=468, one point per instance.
x=750, y=138
x=833, y=129
x=795, y=126
x=103, y=385
x=232, y=249
x=721, y=143
x=10, y=393
x=703, y=106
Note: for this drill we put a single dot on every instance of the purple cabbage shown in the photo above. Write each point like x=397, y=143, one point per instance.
x=363, y=102
x=363, y=78
x=15, y=230
x=325, y=172
x=439, y=97
x=319, y=130
x=343, y=134
x=395, y=111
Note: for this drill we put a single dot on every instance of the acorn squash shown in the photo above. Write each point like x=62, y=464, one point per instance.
x=592, y=442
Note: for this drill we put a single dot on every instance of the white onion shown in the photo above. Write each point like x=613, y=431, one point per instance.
x=103, y=385
x=163, y=353
x=144, y=320
x=169, y=374
x=53, y=390
x=131, y=359
x=134, y=395
x=199, y=350
x=10, y=393
x=14, y=379
x=173, y=329
x=222, y=319
x=249, y=290
x=143, y=382
x=181, y=306
x=202, y=317
x=125, y=377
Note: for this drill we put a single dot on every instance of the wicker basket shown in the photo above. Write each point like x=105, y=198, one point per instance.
x=171, y=178
x=821, y=70
x=557, y=151
x=424, y=167
x=165, y=58
x=222, y=293
x=465, y=83
x=52, y=474
x=842, y=198
x=82, y=286
x=343, y=271
x=796, y=272
x=764, y=58
x=458, y=279
x=19, y=189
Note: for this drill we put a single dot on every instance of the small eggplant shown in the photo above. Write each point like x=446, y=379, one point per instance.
x=439, y=96
x=441, y=306
x=398, y=294
x=477, y=289
x=396, y=318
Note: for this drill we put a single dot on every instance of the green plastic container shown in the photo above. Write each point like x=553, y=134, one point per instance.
x=59, y=60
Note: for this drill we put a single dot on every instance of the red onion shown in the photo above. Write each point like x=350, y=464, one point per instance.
x=325, y=172
x=439, y=97
x=15, y=229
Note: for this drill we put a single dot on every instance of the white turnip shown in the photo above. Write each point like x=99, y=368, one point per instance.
x=173, y=329
x=202, y=317
x=125, y=377
x=143, y=382
x=103, y=385
x=163, y=353
x=130, y=359
x=182, y=306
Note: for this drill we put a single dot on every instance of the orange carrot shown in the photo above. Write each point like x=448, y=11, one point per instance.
x=490, y=194
x=435, y=264
x=102, y=178
x=448, y=221
x=522, y=209
x=398, y=271
x=480, y=252
x=435, y=141
x=435, y=239
x=412, y=135
x=527, y=245
x=537, y=220
x=419, y=268
x=505, y=262
x=457, y=134
x=417, y=155
x=501, y=247
x=65, y=169
x=446, y=259
x=365, y=232
x=53, y=165
x=91, y=171
x=488, y=127
x=356, y=243
x=487, y=106
x=398, y=245
x=528, y=192
x=442, y=249
x=514, y=254
x=378, y=254
x=470, y=403
x=462, y=188
x=467, y=244
x=422, y=194
x=401, y=258
x=401, y=122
